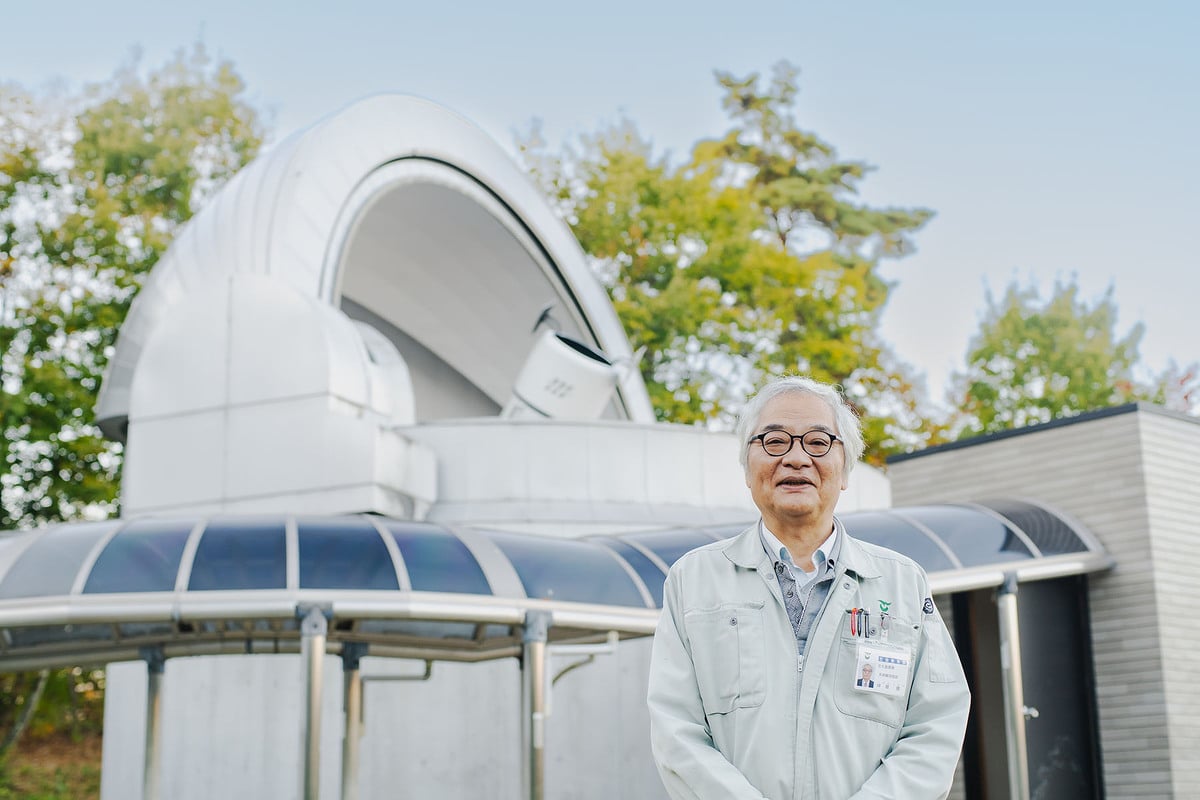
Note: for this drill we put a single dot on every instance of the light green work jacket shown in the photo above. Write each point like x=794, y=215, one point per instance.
x=735, y=712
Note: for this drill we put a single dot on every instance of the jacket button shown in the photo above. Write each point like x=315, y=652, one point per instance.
x=733, y=620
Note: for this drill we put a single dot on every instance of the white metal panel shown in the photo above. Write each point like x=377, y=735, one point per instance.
x=283, y=412
x=173, y=461
x=616, y=463
x=329, y=500
x=290, y=345
x=183, y=369
x=724, y=479
x=391, y=389
x=562, y=477
x=296, y=445
x=203, y=251
x=404, y=465
x=472, y=463
x=265, y=193
x=556, y=463
x=674, y=468
x=868, y=489
x=296, y=191
x=491, y=278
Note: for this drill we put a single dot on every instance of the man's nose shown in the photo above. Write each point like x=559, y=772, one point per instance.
x=797, y=456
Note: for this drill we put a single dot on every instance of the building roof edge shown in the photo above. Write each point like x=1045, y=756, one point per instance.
x=1061, y=422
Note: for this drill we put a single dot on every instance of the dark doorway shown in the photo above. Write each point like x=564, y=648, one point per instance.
x=1056, y=655
x=1062, y=741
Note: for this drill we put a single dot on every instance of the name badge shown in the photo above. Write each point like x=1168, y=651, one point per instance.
x=882, y=668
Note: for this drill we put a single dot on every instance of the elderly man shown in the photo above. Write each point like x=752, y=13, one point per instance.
x=756, y=675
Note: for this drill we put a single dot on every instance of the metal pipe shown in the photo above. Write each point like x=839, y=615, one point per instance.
x=605, y=647
x=281, y=605
x=433, y=654
x=424, y=676
x=572, y=667
x=635, y=621
x=353, y=704
x=431, y=607
x=152, y=766
x=533, y=672
x=588, y=651
x=313, y=628
x=1014, y=691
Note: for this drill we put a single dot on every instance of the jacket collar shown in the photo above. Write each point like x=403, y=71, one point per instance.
x=746, y=551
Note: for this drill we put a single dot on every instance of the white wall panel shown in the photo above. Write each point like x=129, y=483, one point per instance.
x=174, y=461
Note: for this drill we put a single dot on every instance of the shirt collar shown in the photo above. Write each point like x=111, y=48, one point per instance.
x=825, y=554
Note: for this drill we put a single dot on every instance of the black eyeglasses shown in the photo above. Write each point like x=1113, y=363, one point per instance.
x=779, y=443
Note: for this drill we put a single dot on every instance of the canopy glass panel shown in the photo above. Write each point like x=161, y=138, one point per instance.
x=568, y=569
x=241, y=554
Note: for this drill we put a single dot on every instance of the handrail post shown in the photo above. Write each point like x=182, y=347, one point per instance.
x=1014, y=690
x=156, y=665
x=533, y=672
x=352, y=653
x=313, y=630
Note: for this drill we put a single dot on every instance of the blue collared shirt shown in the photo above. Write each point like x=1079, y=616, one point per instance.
x=825, y=555
x=805, y=595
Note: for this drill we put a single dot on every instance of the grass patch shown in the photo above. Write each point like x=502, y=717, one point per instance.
x=52, y=768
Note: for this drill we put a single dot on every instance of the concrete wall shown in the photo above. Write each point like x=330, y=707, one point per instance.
x=1130, y=478
x=455, y=735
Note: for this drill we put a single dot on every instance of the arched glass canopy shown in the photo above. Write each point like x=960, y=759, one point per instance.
x=106, y=591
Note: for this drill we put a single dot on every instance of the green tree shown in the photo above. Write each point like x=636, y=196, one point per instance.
x=92, y=190
x=1035, y=360
x=1178, y=388
x=752, y=259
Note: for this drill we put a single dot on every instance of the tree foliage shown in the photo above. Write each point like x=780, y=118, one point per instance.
x=92, y=190
x=1178, y=388
x=1035, y=360
x=754, y=258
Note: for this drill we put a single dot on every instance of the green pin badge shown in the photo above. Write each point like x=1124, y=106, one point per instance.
x=884, y=605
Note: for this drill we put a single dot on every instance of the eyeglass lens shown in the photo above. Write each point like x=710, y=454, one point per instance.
x=815, y=443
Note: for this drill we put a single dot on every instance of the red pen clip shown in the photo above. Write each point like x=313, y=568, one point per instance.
x=853, y=615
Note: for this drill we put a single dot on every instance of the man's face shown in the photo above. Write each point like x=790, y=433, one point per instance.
x=796, y=488
x=866, y=672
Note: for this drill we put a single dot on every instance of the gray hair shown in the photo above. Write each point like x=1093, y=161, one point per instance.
x=849, y=429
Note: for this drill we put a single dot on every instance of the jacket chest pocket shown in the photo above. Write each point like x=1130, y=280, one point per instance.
x=728, y=652
x=855, y=699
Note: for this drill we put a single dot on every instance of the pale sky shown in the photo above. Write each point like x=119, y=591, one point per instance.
x=1051, y=138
